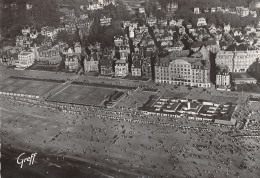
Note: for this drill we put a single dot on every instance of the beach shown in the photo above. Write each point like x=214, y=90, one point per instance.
x=125, y=145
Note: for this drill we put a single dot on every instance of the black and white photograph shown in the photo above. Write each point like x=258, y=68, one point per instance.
x=130, y=88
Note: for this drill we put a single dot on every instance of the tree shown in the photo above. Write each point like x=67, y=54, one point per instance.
x=252, y=34
x=219, y=18
x=43, y=13
x=233, y=19
x=159, y=14
x=247, y=21
x=185, y=13
x=212, y=20
x=64, y=36
x=39, y=40
x=122, y=13
x=76, y=37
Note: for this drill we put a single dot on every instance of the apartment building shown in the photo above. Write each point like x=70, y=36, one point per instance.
x=23, y=41
x=136, y=68
x=72, y=63
x=105, y=21
x=238, y=61
x=172, y=7
x=201, y=22
x=222, y=77
x=121, y=68
x=91, y=63
x=48, y=55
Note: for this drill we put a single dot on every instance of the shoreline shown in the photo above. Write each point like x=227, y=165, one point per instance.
x=60, y=162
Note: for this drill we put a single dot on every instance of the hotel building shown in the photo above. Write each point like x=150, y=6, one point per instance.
x=26, y=59
x=238, y=61
x=183, y=71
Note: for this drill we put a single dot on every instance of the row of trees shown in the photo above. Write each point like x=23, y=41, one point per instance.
x=206, y=3
x=217, y=19
x=185, y=11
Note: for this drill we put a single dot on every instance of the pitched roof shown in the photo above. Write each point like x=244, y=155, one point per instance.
x=93, y=56
x=120, y=61
x=137, y=64
x=43, y=48
x=197, y=44
x=106, y=62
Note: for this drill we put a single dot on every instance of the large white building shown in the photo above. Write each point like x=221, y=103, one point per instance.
x=183, y=71
x=26, y=59
x=238, y=61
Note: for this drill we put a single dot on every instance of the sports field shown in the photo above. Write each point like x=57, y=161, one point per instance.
x=83, y=95
x=30, y=87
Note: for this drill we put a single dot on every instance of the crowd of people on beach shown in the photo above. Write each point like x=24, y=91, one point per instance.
x=198, y=135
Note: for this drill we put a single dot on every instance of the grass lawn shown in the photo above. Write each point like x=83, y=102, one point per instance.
x=30, y=87
x=43, y=67
x=83, y=95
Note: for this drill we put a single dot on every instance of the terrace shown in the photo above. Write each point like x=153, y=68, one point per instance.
x=37, y=79
x=174, y=95
x=104, y=85
x=149, y=90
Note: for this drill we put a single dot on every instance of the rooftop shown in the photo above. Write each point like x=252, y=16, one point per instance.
x=120, y=61
x=238, y=76
x=25, y=53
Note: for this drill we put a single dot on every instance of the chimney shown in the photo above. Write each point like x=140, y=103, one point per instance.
x=188, y=105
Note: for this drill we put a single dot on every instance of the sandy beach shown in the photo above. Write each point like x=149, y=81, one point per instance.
x=126, y=148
